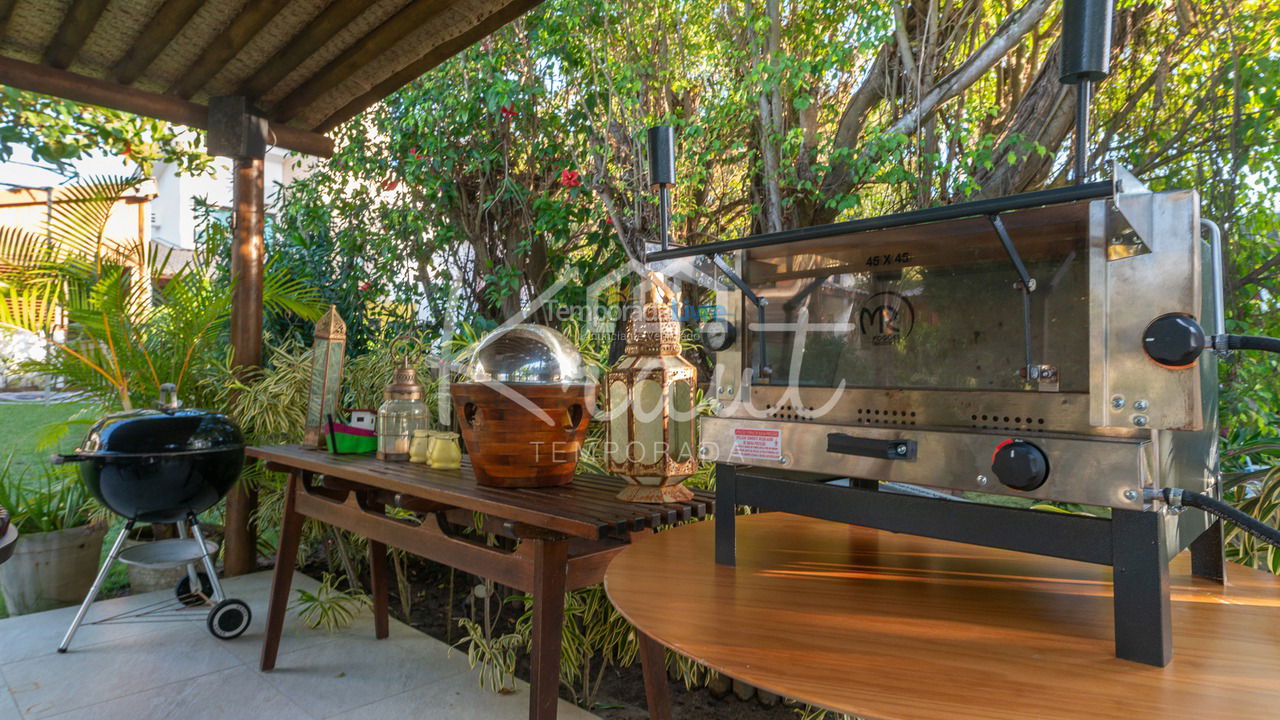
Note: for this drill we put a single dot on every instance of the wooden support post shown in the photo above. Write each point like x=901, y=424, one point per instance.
x=246, y=340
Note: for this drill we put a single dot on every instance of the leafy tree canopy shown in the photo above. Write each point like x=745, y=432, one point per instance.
x=58, y=131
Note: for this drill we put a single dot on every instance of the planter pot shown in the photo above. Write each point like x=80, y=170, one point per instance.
x=52, y=569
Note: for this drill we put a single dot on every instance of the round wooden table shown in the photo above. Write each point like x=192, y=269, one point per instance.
x=884, y=626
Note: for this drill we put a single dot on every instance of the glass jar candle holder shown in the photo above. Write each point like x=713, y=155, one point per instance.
x=402, y=413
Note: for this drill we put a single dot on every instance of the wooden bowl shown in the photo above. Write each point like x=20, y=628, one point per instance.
x=523, y=435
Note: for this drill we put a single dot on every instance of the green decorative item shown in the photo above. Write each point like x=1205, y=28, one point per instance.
x=326, y=375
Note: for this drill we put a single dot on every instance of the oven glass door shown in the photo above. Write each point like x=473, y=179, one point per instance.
x=926, y=307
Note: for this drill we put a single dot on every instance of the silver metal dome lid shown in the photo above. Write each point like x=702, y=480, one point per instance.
x=532, y=354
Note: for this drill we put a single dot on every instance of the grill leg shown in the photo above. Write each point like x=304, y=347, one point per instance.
x=1140, y=573
x=97, y=585
x=726, y=508
x=192, y=576
x=208, y=561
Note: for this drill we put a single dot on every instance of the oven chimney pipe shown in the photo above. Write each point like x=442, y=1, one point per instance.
x=1086, y=59
x=662, y=175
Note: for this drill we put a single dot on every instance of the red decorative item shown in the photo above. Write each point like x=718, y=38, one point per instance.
x=509, y=110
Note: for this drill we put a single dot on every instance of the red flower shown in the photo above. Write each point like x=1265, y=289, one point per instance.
x=608, y=221
x=570, y=178
x=364, y=286
x=509, y=110
x=414, y=153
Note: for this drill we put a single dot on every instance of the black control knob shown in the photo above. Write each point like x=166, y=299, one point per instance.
x=1020, y=465
x=1174, y=340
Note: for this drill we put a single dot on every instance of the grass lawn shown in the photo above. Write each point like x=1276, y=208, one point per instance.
x=23, y=427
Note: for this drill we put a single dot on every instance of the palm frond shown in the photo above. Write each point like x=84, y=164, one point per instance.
x=20, y=251
x=285, y=293
x=79, y=217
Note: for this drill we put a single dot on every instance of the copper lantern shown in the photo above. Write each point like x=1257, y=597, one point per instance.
x=649, y=398
x=401, y=413
x=326, y=375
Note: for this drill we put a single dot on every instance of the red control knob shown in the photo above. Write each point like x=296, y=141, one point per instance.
x=1020, y=465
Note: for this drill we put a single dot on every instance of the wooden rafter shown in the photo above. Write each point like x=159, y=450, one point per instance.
x=437, y=55
x=411, y=18
x=6, y=11
x=314, y=36
x=174, y=14
x=247, y=24
x=76, y=26
x=44, y=79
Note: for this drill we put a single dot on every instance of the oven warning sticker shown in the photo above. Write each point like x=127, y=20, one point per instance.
x=757, y=444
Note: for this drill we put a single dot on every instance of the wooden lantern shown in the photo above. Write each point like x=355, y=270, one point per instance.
x=649, y=398
x=327, y=355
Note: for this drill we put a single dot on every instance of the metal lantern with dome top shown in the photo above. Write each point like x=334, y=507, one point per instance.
x=524, y=407
x=403, y=411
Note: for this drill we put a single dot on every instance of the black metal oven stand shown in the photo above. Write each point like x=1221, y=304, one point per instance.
x=1132, y=542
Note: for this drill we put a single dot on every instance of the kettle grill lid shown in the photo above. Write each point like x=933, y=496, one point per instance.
x=157, y=432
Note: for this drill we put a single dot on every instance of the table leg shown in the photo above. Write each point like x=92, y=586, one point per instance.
x=282, y=576
x=550, y=566
x=378, y=579
x=653, y=661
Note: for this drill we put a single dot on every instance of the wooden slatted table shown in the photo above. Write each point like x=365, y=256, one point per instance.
x=896, y=627
x=567, y=536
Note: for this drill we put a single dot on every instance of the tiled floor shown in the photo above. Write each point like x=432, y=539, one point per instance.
x=178, y=670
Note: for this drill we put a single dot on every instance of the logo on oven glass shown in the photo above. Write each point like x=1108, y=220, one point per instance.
x=886, y=318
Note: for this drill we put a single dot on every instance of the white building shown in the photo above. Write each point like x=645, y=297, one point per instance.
x=173, y=219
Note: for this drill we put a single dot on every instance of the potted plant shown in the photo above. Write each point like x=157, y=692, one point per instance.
x=59, y=542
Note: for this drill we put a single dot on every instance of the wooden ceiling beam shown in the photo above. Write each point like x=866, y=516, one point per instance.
x=508, y=12
x=6, y=11
x=230, y=41
x=359, y=56
x=76, y=26
x=156, y=35
x=317, y=33
x=91, y=91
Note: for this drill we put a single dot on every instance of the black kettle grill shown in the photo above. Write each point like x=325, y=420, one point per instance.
x=159, y=466
x=165, y=465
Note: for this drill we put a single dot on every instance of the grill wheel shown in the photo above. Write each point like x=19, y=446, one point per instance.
x=229, y=619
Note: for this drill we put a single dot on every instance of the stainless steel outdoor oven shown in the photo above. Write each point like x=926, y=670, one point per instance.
x=1004, y=346
x=914, y=335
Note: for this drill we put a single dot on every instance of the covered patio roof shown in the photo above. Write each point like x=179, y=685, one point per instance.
x=304, y=65
x=278, y=72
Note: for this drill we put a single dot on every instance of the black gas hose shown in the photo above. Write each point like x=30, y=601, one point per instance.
x=1252, y=342
x=1176, y=497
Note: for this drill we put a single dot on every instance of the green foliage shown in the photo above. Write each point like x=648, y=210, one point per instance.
x=1255, y=490
x=58, y=131
x=594, y=638
x=129, y=330
x=494, y=656
x=56, y=500
x=330, y=607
